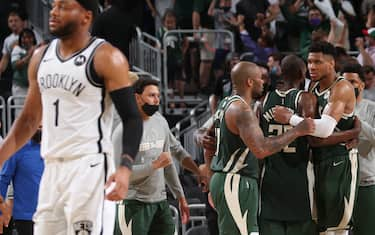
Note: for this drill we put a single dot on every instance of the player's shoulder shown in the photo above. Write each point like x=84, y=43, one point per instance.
x=108, y=58
x=107, y=54
x=237, y=108
x=343, y=88
x=39, y=52
x=106, y=48
x=343, y=83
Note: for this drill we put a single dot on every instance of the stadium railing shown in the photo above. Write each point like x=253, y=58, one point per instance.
x=176, y=218
x=12, y=108
x=197, y=217
x=185, y=128
x=3, y=117
x=145, y=54
x=197, y=38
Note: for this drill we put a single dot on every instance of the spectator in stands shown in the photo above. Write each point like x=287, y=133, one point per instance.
x=366, y=54
x=200, y=16
x=369, y=80
x=251, y=15
x=366, y=7
x=184, y=10
x=261, y=48
x=273, y=65
x=146, y=210
x=223, y=86
x=24, y=169
x=207, y=55
x=224, y=19
x=265, y=46
x=315, y=21
x=370, y=21
x=117, y=24
x=20, y=57
x=339, y=37
x=16, y=22
x=158, y=9
x=176, y=48
x=341, y=58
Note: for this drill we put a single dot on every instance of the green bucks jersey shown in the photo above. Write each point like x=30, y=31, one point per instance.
x=345, y=123
x=232, y=155
x=285, y=179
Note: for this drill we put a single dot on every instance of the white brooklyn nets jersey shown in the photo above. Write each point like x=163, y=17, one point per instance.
x=77, y=112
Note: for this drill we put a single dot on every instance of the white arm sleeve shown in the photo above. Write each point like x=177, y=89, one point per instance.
x=323, y=127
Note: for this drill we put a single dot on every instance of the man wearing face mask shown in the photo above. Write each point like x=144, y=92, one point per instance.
x=24, y=169
x=365, y=110
x=146, y=210
x=315, y=21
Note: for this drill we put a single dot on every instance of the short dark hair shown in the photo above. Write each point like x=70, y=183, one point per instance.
x=292, y=67
x=324, y=47
x=16, y=11
x=368, y=69
x=26, y=31
x=314, y=8
x=276, y=56
x=141, y=83
x=353, y=67
x=169, y=13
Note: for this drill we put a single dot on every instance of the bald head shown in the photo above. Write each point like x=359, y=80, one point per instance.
x=243, y=71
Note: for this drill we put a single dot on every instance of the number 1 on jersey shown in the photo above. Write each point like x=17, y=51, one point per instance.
x=56, y=104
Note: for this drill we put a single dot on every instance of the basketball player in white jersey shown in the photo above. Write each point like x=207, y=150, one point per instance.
x=73, y=82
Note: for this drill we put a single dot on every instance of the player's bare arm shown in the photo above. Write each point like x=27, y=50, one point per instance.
x=337, y=137
x=242, y=120
x=112, y=67
x=28, y=121
x=342, y=100
x=307, y=105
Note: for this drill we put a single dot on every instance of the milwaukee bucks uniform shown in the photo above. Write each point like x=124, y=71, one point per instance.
x=287, y=176
x=233, y=186
x=335, y=173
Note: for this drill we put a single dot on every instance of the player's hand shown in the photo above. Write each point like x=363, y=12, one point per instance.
x=353, y=143
x=210, y=201
x=306, y=127
x=282, y=114
x=184, y=210
x=203, y=180
x=208, y=141
x=360, y=43
x=163, y=160
x=120, y=180
x=6, y=210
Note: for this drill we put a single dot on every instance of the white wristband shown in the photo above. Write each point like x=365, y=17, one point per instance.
x=295, y=120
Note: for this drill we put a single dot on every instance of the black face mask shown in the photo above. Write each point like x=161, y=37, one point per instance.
x=150, y=109
x=225, y=9
x=37, y=137
x=356, y=92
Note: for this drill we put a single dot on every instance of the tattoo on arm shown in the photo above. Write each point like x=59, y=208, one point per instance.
x=253, y=137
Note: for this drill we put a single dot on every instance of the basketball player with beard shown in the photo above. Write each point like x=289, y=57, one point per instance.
x=73, y=82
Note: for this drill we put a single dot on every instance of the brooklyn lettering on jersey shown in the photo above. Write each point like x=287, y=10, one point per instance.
x=62, y=81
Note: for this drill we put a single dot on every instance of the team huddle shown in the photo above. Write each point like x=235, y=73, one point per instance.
x=308, y=177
